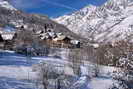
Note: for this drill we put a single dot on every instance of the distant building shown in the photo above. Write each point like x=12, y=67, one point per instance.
x=62, y=39
x=58, y=39
x=6, y=39
x=94, y=45
x=76, y=43
x=44, y=36
x=7, y=36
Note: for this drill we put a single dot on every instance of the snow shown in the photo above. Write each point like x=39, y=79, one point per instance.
x=110, y=22
x=74, y=41
x=7, y=36
x=104, y=81
x=82, y=83
x=95, y=45
x=5, y=4
x=100, y=83
x=16, y=72
x=106, y=70
x=84, y=71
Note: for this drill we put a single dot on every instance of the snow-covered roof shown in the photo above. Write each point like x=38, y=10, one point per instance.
x=59, y=34
x=52, y=34
x=44, y=36
x=59, y=38
x=74, y=41
x=95, y=45
x=7, y=35
x=38, y=31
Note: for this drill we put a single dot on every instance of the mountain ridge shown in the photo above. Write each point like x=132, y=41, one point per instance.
x=106, y=23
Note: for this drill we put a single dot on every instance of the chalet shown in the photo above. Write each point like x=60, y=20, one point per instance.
x=44, y=36
x=75, y=43
x=7, y=36
x=62, y=39
x=58, y=40
x=7, y=39
x=7, y=32
x=52, y=34
x=94, y=45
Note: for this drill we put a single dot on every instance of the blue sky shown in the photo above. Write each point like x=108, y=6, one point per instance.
x=53, y=8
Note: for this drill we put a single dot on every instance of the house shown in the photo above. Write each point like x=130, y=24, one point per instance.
x=7, y=39
x=52, y=34
x=44, y=36
x=7, y=36
x=67, y=42
x=62, y=39
x=7, y=32
x=75, y=43
x=95, y=45
x=58, y=40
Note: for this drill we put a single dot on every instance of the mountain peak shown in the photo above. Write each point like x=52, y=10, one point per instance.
x=6, y=4
x=112, y=21
x=122, y=4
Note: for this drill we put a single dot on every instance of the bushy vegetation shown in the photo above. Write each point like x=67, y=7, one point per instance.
x=119, y=55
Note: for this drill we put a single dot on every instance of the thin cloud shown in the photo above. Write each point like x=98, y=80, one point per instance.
x=59, y=5
x=24, y=4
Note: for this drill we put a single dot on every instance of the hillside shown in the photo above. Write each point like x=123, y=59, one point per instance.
x=11, y=16
x=110, y=22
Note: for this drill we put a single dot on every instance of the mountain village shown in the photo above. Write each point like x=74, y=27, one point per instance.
x=91, y=48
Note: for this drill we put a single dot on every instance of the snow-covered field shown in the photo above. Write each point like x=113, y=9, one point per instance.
x=16, y=73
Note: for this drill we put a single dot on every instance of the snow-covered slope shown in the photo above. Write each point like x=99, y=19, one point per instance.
x=112, y=21
x=17, y=72
x=5, y=4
